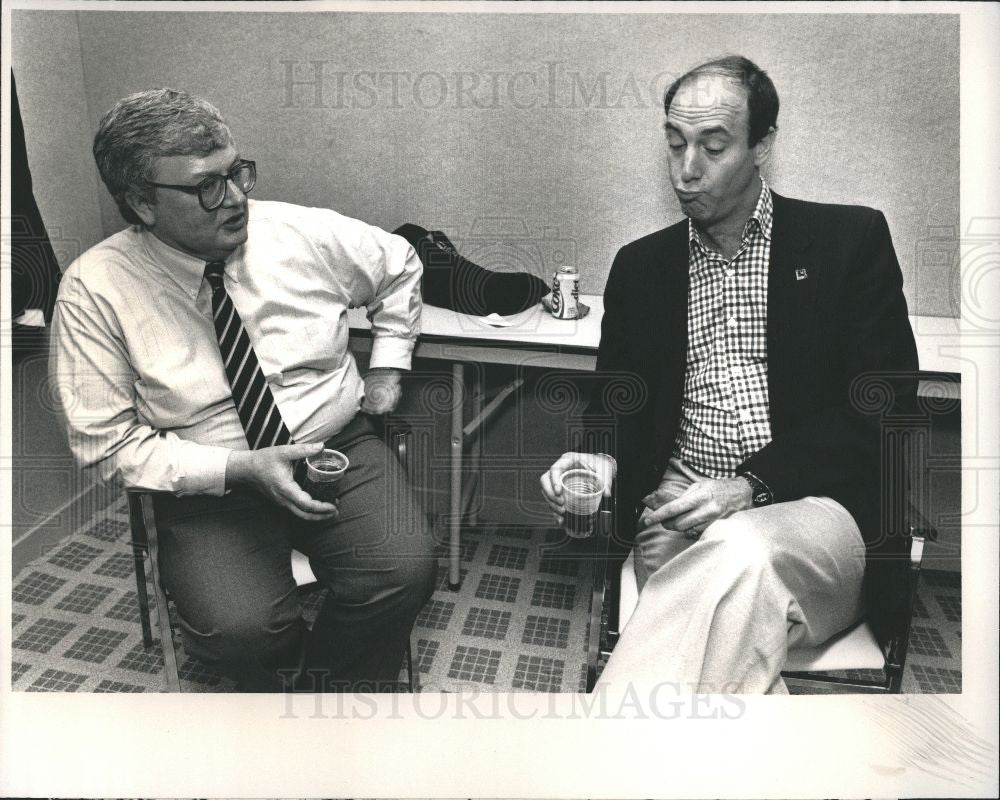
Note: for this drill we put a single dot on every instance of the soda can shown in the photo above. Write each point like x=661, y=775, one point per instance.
x=566, y=293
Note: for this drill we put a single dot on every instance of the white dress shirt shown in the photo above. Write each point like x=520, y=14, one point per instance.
x=135, y=357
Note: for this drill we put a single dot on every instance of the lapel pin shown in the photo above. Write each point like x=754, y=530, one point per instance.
x=801, y=274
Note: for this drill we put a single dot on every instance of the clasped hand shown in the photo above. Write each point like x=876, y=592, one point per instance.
x=698, y=506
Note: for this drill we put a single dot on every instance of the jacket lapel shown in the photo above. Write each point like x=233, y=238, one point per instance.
x=672, y=330
x=794, y=274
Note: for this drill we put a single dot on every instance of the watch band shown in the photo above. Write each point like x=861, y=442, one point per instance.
x=760, y=492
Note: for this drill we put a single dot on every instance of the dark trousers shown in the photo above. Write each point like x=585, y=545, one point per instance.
x=226, y=563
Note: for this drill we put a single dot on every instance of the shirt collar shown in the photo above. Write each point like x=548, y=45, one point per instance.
x=187, y=271
x=761, y=218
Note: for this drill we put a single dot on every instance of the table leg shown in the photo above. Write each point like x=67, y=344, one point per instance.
x=457, y=444
x=478, y=388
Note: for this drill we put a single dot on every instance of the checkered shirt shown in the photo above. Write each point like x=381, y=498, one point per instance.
x=725, y=415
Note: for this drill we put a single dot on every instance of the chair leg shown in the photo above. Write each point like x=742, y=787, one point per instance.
x=894, y=682
x=401, y=440
x=140, y=586
x=162, y=613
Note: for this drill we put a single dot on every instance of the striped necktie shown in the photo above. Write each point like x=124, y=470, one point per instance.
x=255, y=404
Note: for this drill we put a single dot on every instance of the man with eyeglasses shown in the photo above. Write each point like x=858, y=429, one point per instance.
x=201, y=354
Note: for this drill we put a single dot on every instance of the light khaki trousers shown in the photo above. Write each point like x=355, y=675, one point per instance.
x=718, y=613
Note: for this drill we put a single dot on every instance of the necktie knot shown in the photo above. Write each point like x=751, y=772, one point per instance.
x=213, y=273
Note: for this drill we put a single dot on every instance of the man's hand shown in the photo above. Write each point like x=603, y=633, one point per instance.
x=701, y=504
x=269, y=471
x=603, y=465
x=382, y=391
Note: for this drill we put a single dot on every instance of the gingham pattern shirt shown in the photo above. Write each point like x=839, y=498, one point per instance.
x=725, y=416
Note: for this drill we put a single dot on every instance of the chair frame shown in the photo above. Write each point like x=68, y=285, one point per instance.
x=603, y=533
x=145, y=543
x=894, y=646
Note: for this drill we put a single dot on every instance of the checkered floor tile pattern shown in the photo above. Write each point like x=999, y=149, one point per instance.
x=519, y=622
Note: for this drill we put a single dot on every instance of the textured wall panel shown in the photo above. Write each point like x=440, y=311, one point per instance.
x=46, y=61
x=533, y=139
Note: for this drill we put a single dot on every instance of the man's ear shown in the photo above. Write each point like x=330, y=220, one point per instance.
x=762, y=149
x=145, y=210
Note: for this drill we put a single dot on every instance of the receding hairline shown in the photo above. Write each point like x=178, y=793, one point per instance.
x=713, y=71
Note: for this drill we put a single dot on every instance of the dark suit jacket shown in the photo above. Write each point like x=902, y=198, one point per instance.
x=829, y=336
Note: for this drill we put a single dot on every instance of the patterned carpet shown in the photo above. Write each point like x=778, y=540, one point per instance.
x=518, y=623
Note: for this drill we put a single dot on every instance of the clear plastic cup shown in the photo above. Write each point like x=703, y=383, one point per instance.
x=582, y=493
x=323, y=473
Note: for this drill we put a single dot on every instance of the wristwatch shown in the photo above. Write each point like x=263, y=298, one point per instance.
x=760, y=492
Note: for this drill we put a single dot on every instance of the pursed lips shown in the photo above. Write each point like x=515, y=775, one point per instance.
x=234, y=220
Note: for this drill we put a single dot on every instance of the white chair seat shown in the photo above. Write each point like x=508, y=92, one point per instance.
x=301, y=570
x=855, y=648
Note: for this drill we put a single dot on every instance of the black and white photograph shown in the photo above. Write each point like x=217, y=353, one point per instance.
x=507, y=399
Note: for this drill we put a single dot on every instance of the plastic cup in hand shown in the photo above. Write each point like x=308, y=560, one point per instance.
x=323, y=473
x=582, y=493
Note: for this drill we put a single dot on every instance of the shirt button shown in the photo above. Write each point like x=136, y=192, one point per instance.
x=736, y=372
x=730, y=273
x=744, y=415
x=731, y=322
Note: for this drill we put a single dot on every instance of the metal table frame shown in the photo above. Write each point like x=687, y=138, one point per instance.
x=534, y=339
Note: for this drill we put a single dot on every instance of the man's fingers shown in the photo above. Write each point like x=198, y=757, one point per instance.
x=312, y=517
x=566, y=461
x=557, y=508
x=552, y=480
x=298, y=500
x=551, y=487
x=552, y=497
x=674, y=508
x=694, y=521
x=293, y=452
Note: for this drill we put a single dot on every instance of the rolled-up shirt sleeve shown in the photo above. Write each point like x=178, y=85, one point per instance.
x=93, y=384
x=388, y=285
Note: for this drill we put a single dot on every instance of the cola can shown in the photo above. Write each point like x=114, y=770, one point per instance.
x=566, y=293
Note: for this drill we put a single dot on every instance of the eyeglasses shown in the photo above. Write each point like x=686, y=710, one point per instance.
x=212, y=190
